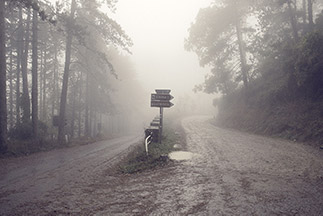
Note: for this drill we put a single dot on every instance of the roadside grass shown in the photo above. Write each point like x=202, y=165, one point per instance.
x=137, y=160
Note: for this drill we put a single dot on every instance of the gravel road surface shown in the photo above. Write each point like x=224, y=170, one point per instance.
x=46, y=177
x=231, y=173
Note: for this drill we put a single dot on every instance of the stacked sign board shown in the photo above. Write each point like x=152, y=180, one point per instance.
x=154, y=129
x=161, y=98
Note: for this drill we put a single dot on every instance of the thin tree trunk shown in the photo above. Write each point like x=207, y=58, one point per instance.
x=11, y=89
x=95, y=123
x=34, y=93
x=79, y=105
x=242, y=51
x=55, y=84
x=44, y=85
x=304, y=11
x=87, y=127
x=69, y=39
x=90, y=120
x=19, y=64
x=293, y=21
x=3, y=98
x=41, y=74
x=79, y=124
x=25, y=101
x=73, y=108
x=310, y=14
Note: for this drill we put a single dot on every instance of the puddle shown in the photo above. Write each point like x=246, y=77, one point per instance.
x=180, y=155
x=177, y=146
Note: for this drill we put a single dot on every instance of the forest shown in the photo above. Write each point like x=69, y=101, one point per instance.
x=65, y=74
x=266, y=59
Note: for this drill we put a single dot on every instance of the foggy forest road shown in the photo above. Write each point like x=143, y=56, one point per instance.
x=34, y=178
x=231, y=173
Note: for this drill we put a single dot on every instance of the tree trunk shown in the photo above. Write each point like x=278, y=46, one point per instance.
x=25, y=100
x=44, y=113
x=293, y=21
x=55, y=81
x=79, y=105
x=11, y=87
x=40, y=84
x=68, y=50
x=87, y=127
x=90, y=120
x=242, y=51
x=34, y=93
x=73, y=108
x=304, y=11
x=310, y=14
x=19, y=64
x=3, y=98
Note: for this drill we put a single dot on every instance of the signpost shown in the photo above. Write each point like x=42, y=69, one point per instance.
x=160, y=104
x=161, y=99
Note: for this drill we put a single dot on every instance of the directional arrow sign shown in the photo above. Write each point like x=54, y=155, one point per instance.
x=166, y=97
x=156, y=103
x=162, y=91
x=154, y=124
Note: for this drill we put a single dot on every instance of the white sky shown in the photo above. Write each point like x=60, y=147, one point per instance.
x=158, y=29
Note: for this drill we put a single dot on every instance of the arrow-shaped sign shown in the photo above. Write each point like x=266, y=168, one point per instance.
x=166, y=97
x=161, y=104
x=162, y=91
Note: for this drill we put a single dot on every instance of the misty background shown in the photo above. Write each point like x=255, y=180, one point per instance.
x=75, y=70
x=158, y=30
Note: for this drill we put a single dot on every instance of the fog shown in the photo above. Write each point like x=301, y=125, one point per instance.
x=85, y=131
x=158, y=29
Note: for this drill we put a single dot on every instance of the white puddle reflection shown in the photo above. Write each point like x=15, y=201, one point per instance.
x=180, y=155
x=177, y=146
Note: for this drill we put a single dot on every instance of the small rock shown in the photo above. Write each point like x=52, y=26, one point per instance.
x=321, y=147
x=144, y=194
x=135, y=211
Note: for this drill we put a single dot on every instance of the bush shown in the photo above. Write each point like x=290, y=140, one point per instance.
x=24, y=131
x=309, y=65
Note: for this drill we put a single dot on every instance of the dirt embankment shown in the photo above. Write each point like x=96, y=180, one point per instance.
x=300, y=120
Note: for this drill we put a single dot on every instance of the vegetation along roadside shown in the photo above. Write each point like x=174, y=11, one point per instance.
x=137, y=160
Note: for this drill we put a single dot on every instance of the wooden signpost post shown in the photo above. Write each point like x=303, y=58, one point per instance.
x=161, y=99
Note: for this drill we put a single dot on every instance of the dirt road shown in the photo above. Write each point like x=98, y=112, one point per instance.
x=31, y=181
x=231, y=173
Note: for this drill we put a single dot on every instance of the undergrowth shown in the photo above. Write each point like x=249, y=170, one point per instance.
x=138, y=161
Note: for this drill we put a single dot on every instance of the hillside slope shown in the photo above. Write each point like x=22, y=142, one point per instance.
x=299, y=120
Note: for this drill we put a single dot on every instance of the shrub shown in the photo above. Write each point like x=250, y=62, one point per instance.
x=24, y=131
